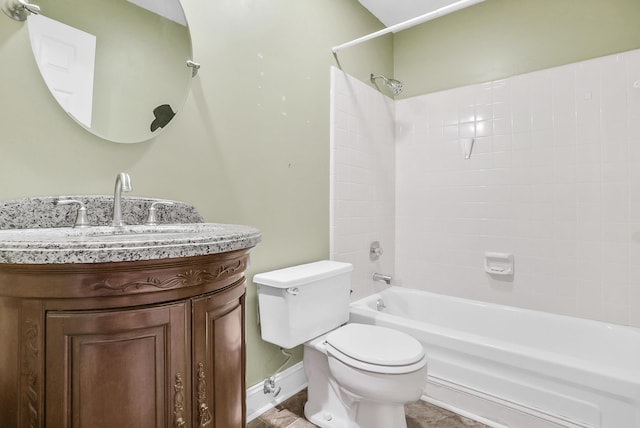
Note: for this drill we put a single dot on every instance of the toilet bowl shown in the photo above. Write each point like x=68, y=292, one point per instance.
x=359, y=376
x=362, y=376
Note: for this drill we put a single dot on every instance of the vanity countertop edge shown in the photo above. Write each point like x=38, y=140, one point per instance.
x=224, y=238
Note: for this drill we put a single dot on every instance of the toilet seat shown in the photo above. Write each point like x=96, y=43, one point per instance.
x=376, y=349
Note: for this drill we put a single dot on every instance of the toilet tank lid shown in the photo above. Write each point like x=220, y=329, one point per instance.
x=302, y=274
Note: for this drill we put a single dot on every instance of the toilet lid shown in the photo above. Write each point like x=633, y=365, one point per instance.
x=375, y=345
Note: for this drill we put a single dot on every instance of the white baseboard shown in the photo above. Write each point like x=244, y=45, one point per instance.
x=468, y=402
x=291, y=381
x=498, y=412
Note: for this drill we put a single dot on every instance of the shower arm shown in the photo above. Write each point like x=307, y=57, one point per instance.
x=461, y=4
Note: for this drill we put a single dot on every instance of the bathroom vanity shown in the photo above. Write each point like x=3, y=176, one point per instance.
x=137, y=326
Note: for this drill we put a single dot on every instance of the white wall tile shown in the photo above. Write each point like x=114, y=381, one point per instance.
x=363, y=175
x=560, y=188
x=554, y=177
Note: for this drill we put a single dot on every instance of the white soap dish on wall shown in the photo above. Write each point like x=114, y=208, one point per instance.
x=498, y=263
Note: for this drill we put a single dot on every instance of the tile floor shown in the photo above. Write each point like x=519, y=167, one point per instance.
x=289, y=414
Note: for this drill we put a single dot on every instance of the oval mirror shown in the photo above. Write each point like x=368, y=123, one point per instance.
x=117, y=67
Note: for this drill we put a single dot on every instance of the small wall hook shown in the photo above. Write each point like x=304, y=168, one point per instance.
x=194, y=67
x=19, y=9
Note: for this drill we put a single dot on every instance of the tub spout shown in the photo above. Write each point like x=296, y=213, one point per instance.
x=382, y=278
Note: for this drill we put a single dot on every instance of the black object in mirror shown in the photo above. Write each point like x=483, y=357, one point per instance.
x=134, y=56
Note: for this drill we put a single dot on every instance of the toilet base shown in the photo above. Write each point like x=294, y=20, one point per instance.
x=331, y=406
x=368, y=415
x=376, y=415
x=323, y=407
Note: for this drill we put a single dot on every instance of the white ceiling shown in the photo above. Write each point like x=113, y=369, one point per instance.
x=391, y=12
x=171, y=10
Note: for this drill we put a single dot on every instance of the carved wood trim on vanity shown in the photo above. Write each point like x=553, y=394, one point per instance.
x=31, y=355
x=188, y=278
x=178, y=403
x=204, y=415
x=31, y=366
x=149, y=281
x=102, y=288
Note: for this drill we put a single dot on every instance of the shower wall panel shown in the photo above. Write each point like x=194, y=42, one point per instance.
x=362, y=179
x=553, y=178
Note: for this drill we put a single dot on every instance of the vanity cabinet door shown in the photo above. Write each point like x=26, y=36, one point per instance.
x=218, y=363
x=124, y=368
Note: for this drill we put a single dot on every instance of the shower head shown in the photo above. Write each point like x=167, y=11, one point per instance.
x=396, y=86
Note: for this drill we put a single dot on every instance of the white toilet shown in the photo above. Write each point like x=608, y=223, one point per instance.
x=359, y=375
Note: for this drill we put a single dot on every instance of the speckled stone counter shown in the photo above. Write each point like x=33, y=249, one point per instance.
x=36, y=231
x=42, y=212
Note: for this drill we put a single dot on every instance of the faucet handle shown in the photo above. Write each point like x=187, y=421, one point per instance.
x=81, y=213
x=375, y=251
x=152, y=220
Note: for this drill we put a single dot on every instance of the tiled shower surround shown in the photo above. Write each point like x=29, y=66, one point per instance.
x=362, y=179
x=553, y=178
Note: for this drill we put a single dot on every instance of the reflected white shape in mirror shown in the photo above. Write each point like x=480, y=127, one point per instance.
x=66, y=58
x=139, y=64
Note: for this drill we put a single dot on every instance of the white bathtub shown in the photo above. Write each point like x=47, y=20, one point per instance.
x=516, y=367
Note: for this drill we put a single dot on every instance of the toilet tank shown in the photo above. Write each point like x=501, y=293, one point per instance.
x=302, y=302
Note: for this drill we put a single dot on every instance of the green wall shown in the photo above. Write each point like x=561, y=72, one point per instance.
x=132, y=44
x=251, y=146
x=500, y=38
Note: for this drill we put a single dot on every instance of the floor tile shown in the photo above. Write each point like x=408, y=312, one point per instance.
x=290, y=414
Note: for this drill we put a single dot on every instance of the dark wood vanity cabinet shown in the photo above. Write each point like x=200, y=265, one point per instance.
x=133, y=344
x=108, y=369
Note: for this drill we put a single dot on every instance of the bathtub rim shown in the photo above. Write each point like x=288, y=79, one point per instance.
x=578, y=371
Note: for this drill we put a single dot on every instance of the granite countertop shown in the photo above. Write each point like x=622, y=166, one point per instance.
x=105, y=244
x=36, y=231
x=43, y=211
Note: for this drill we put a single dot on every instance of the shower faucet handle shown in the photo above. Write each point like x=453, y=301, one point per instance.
x=375, y=251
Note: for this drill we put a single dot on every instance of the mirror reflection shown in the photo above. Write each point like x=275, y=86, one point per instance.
x=118, y=67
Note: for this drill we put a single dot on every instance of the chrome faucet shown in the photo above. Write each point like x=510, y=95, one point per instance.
x=382, y=278
x=123, y=184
